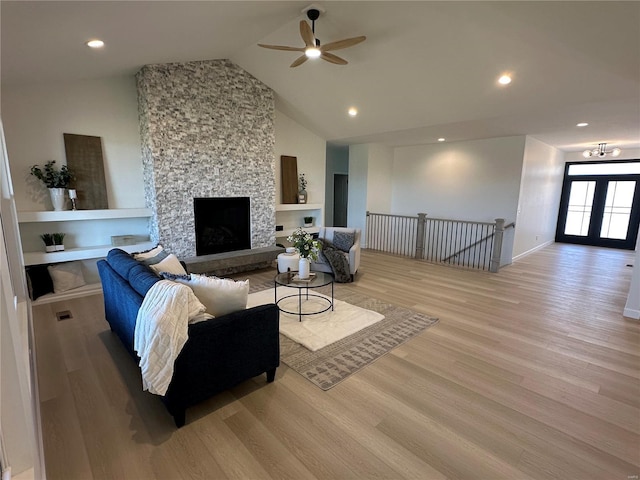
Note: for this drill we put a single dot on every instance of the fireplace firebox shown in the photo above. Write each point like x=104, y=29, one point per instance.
x=223, y=224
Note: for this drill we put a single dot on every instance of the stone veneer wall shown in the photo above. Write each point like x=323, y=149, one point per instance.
x=207, y=130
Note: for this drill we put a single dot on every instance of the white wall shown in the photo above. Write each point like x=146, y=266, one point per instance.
x=477, y=180
x=36, y=116
x=294, y=140
x=632, y=308
x=379, y=173
x=358, y=178
x=540, y=188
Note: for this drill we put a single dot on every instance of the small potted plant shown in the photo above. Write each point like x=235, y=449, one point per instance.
x=56, y=180
x=58, y=241
x=308, y=221
x=47, y=238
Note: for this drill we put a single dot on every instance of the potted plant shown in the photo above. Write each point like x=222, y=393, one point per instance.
x=49, y=246
x=58, y=241
x=56, y=180
x=307, y=248
x=308, y=221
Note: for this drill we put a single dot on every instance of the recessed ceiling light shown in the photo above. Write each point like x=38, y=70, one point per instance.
x=95, y=43
x=441, y=139
x=582, y=124
x=504, y=80
x=353, y=111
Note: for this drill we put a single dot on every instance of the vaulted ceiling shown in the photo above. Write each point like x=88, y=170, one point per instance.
x=427, y=69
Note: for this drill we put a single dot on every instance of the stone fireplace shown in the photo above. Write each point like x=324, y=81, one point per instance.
x=207, y=130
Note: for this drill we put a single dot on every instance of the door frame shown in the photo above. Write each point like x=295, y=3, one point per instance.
x=593, y=237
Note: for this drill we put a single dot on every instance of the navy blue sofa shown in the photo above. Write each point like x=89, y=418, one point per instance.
x=219, y=353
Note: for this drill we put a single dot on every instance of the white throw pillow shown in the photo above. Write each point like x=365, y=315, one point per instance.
x=219, y=295
x=147, y=253
x=170, y=264
x=66, y=276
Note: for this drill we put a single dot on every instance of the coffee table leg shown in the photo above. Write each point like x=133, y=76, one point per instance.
x=300, y=304
x=332, y=296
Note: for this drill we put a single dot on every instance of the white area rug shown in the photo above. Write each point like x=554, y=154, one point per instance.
x=316, y=331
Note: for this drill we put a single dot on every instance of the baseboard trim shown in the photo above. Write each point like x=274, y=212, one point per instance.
x=631, y=313
x=535, y=249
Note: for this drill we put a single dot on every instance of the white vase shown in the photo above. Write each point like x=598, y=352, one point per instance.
x=57, y=198
x=303, y=268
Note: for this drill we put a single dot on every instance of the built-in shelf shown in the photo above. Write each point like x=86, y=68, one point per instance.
x=291, y=217
x=73, y=215
x=286, y=207
x=85, y=290
x=289, y=231
x=81, y=253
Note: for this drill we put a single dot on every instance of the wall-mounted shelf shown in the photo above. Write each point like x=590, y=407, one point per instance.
x=77, y=215
x=287, y=207
x=84, y=291
x=291, y=217
x=81, y=253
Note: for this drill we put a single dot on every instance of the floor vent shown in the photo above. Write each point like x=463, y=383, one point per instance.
x=64, y=315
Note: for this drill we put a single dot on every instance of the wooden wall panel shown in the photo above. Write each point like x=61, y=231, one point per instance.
x=289, y=174
x=84, y=158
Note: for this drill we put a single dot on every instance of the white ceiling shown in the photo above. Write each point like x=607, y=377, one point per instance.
x=426, y=70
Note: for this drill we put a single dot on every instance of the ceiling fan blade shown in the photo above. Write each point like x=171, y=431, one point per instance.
x=282, y=47
x=330, y=57
x=347, y=42
x=307, y=34
x=299, y=61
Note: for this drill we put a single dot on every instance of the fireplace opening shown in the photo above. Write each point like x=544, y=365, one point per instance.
x=223, y=224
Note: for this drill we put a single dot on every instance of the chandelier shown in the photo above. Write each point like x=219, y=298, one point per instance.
x=601, y=151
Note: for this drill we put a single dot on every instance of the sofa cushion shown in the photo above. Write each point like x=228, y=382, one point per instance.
x=38, y=281
x=343, y=240
x=169, y=264
x=148, y=254
x=121, y=262
x=219, y=295
x=141, y=278
x=66, y=276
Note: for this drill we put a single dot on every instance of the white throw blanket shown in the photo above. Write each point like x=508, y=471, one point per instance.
x=162, y=330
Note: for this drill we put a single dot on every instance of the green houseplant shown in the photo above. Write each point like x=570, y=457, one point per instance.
x=307, y=248
x=56, y=180
x=47, y=238
x=58, y=240
x=51, y=176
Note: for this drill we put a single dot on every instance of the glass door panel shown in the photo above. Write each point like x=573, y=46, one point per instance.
x=579, y=208
x=599, y=208
x=617, y=209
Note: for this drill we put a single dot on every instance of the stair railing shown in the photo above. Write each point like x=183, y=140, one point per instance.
x=476, y=245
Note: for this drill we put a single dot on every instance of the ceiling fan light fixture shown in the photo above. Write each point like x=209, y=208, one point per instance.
x=504, y=80
x=312, y=52
x=95, y=43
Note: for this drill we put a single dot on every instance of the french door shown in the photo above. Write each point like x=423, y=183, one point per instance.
x=599, y=209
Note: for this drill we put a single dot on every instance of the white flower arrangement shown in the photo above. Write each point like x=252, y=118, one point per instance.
x=304, y=244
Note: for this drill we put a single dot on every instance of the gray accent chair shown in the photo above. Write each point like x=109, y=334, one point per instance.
x=326, y=233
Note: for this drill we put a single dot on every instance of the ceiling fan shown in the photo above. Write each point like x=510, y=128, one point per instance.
x=312, y=47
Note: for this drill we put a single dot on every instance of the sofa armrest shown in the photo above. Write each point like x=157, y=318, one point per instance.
x=225, y=351
x=354, y=258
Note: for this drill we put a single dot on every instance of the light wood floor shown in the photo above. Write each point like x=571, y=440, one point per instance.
x=531, y=373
